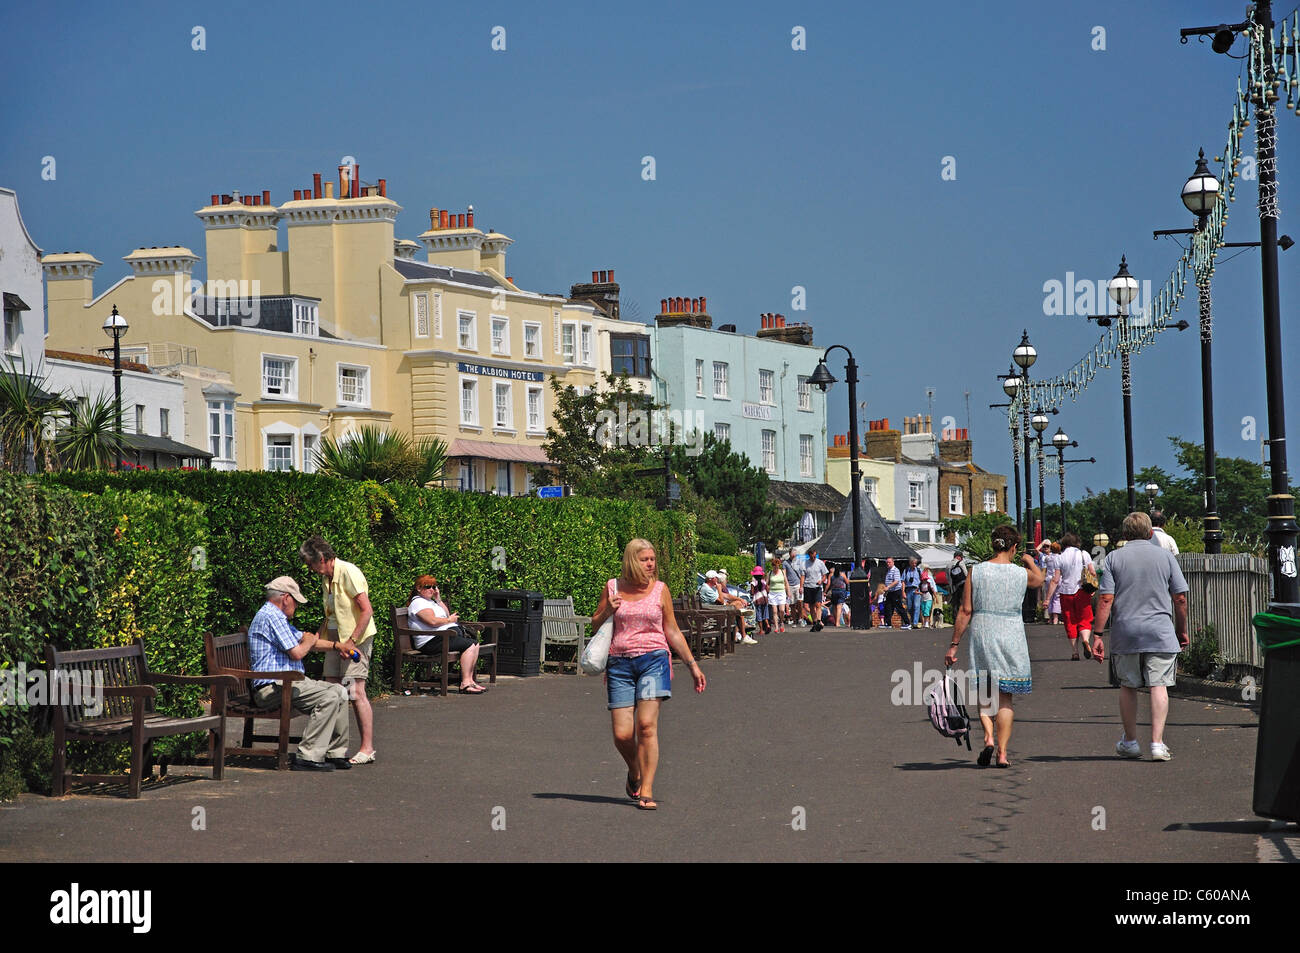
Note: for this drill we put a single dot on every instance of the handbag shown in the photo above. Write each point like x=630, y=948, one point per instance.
x=596, y=655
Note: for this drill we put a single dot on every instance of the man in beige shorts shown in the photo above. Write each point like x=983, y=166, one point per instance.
x=349, y=621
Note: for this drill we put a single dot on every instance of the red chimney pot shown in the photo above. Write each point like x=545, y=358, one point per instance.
x=442, y=218
x=266, y=196
x=214, y=199
x=611, y=276
x=704, y=305
x=595, y=277
x=663, y=305
x=469, y=219
x=315, y=185
x=383, y=187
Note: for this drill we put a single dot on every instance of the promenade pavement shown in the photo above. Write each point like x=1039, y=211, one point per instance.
x=794, y=753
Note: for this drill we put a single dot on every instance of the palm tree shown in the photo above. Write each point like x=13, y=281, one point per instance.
x=27, y=415
x=91, y=439
x=383, y=456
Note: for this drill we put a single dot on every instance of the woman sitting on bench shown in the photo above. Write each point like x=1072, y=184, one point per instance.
x=428, y=613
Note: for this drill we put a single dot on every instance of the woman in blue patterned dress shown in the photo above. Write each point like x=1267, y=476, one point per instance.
x=990, y=609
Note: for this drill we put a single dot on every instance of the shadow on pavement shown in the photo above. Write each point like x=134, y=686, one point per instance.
x=586, y=798
x=933, y=766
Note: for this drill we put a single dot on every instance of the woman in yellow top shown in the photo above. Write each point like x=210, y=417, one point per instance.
x=349, y=621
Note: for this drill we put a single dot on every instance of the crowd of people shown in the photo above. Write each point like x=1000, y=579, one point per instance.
x=1140, y=591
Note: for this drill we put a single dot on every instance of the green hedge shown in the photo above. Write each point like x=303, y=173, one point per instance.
x=257, y=520
x=738, y=568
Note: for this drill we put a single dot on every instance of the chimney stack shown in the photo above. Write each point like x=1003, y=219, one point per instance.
x=383, y=188
x=315, y=185
x=469, y=217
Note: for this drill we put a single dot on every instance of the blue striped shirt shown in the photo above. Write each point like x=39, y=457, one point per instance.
x=270, y=637
x=892, y=577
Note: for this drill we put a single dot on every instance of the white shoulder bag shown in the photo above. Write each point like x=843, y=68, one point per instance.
x=596, y=655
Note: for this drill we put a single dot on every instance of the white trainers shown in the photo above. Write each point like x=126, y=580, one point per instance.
x=748, y=641
x=1129, y=749
x=1160, y=752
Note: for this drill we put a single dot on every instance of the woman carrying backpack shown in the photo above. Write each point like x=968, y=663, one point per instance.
x=990, y=610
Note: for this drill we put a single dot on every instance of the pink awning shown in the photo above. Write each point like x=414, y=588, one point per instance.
x=487, y=450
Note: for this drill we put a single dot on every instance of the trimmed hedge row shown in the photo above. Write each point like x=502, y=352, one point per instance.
x=87, y=570
x=471, y=542
x=738, y=568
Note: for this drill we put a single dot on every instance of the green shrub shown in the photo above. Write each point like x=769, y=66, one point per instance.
x=1202, y=656
x=738, y=567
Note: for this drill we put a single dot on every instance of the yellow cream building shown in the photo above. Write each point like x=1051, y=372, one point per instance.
x=344, y=327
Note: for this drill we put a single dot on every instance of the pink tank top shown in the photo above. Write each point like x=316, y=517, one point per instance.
x=639, y=625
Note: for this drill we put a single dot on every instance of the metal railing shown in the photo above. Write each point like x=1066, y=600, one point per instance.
x=1226, y=591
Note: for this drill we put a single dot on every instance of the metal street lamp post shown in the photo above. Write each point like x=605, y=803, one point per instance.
x=859, y=600
x=1025, y=355
x=115, y=327
x=1011, y=386
x=1152, y=489
x=1039, y=422
x=1061, y=440
x=1122, y=289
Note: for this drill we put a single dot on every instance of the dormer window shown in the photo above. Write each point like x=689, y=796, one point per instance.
x=306, y=319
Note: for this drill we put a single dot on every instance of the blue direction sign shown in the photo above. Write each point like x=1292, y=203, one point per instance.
x=550, y=492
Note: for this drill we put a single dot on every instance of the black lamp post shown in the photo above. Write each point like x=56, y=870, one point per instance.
x=1122, y=289
x=1039, y=422
x=1061, y=440
x=1152, y=489
x=115, y=326
x=1024, y=355
x=1011, y=387
x=859, y=604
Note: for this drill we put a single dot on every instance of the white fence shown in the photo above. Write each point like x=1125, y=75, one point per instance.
x=1226, y=591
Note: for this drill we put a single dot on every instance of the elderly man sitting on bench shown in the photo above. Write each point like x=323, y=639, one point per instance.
x=274, y=645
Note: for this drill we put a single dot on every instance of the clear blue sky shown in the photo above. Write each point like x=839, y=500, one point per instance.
x=775, y=167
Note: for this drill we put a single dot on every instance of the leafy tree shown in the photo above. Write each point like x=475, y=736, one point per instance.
x=594, y=435
x=974, y=533
x=383, y=456
x=720, y=474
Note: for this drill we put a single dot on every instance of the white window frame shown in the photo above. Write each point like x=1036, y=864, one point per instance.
x=954, y=500
x=364, y=399
x=306, y=320
x=535, y=352
x=721, y=380
x=225, y=414
x=805, y=393
x=420, y=314
x=281, y=432
x=164, y=422
x=501, y=322
x=586, y=345
x=872, y=486
x=279, y=441
x=990, y=501
x=498, y=388
x=805, y=454
x=722, y=431
x=915, y=495
x=768, y=439
x=503, y=467
x=699, y=377
x=472, y=418
x=569, y=342
x=766, y=386
x=535, y=424
x=13, y=331
x=289, y=390
x=309, y=433
x=461, y=317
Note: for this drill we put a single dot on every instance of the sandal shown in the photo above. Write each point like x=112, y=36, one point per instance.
x=985, y=756
x=470, y=689
x=1087, y=650
x=360, y=758
x=633, y=790
x=647, y=804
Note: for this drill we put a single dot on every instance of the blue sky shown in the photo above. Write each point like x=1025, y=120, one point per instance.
x=775, y=168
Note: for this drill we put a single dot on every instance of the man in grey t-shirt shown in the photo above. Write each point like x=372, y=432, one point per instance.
x=814, y=575
x=1145, y=590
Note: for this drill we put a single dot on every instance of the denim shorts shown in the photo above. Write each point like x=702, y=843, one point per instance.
x=632, y=677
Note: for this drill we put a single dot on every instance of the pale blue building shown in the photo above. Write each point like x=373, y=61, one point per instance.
x=749, y=389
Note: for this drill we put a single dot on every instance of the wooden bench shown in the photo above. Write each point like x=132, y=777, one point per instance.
x=125, y=711
x=562, y=626
x=405, y=651
x=228, y=655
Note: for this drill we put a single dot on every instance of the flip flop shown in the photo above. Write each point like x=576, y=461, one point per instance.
x=632, y=792
x=985, y=756
x=470, y=690
x=647, y=804
x=360, y=758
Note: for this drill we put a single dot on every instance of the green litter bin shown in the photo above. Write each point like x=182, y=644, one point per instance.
x=1277, y=754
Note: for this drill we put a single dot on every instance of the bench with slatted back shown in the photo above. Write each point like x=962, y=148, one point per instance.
x=404, y=651
x=561, y=625
x=228, y=655
x=125, y=712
